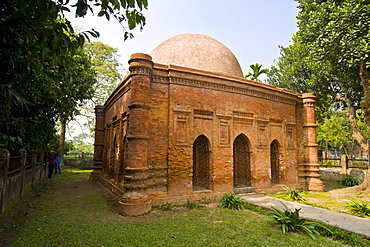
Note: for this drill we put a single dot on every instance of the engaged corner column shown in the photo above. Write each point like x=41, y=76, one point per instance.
x=98, y=144
x=312, y=168
x=135, y=200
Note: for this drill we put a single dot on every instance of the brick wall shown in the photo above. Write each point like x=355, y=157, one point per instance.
x=152, y=119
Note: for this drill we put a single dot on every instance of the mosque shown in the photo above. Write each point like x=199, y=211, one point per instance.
x=184, y=125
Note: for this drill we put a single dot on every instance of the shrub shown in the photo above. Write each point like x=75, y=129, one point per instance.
x=166, y=207
x=360, y=208
x=232, y=201
x=191, y=205
x=293, y=194
x=349, y=181
x=290, y=221
x=329, y=163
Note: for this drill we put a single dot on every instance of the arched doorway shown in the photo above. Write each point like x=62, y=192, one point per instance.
x=201, y=166
x=242, y=166
x=275, y=164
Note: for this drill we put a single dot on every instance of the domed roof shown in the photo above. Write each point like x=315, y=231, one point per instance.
x=197, y=51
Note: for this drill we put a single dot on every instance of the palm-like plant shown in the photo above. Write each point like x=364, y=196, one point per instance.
x=256, y=72
x=293, y=194
x=360, y=208
x=290, y=221
x=349, y=181
x=232, y=201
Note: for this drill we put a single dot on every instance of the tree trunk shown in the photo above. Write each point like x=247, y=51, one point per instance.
x=365, y=81
x=365, y=106
x=352, y=119
x=63, y=123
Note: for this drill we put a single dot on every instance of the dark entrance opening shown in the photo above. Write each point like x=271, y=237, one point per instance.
x=242, y=166
x=201, y=167
x=275, y=164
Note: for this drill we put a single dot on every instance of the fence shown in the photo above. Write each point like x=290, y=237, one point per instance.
x=19, y=173
x=79, y=160
x=344, y=162
x=341, y=166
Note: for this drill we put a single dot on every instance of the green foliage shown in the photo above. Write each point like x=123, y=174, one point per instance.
x=293, y=194
x=335, y=35
x=334, y=131
x=328, y=53
x=80, y=143
x=44, y=74
x=343, y=236
x=361, y=122
x=191, y=205
x=296, y=70
x=349, y=181
x=166, y=207
x=360, y=208
x=256, y=72
x=335, y=30
x=329, y=163
x=290, y=221
x=232, y=201
x=104, y=61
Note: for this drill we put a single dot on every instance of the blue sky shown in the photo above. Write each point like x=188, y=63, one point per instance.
x=251, y=29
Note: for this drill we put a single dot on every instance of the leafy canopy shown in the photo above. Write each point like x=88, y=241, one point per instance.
x=44, y=73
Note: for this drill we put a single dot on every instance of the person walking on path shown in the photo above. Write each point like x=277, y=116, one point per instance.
x=51, y=159
x=57, y=165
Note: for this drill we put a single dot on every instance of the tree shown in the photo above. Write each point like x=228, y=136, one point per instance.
x=82, y=83
x=338, y=33
x=334, y=132
x=334, y=37
x=104, y=61
x=37, y=52
x=334, y=84
x=256, y=72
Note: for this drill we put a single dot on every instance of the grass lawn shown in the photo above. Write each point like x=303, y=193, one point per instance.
x=70, y=210
x=328, y=200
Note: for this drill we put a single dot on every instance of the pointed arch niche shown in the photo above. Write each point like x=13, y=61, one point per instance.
x=275, y=162
x=201, y=163
x=241, y=160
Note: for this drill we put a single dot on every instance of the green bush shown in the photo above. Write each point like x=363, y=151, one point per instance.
x=329, y=163
x=360, y=208
x=290, y=221
x=349, y=181
x=293, y=194
x=232, y=201
x=191, y=205
x=166, y=207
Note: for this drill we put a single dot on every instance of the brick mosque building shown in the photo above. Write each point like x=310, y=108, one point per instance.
x=185, y=125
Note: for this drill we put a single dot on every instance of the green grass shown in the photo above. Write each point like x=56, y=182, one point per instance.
x=70, y=173
x=216, y=227
x=86, y=219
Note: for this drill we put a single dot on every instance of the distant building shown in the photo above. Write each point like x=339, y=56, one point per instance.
x=185, y=125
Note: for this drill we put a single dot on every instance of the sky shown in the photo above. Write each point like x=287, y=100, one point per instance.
x=251, y=29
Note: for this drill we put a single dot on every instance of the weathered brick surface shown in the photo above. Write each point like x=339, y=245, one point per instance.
x=154, y=116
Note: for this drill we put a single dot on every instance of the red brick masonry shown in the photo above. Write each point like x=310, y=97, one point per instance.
x=168, y=134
